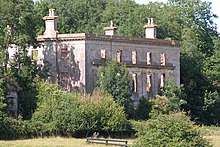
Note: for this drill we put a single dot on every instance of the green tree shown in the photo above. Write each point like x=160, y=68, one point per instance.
x=2, y=96
x=212, y=67
x=211, y=107
x=174, y=94
x=114, y=79
x=18, y=28
x=24, y=71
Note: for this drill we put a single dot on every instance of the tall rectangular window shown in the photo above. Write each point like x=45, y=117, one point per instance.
x=134, y=57
x=162, y=80
x=163, y=59
x=103, y=54
x=134, y=77
x=119, y=54
x=149, y=83
x=149, y=60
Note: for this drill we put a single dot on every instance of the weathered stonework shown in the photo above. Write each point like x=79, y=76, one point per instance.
x=75, y=59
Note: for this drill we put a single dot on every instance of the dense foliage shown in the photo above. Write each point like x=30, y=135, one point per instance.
x=69, y=114
x=175, y=95
x=114, y=79
x=175, y=129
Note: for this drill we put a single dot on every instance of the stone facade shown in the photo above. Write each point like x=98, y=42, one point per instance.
x=74, y=59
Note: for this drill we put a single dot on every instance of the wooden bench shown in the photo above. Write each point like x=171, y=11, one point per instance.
x=107, y=141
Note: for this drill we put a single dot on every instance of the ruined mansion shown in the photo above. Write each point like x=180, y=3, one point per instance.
x=75, y=58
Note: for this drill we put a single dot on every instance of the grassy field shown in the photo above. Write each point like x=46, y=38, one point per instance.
x=50, y=142
x=210, y=133
x=71, y=142
x=215, y=140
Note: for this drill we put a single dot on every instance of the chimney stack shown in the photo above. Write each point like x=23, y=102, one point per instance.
x=110, y=30
x=150, y=29
x=51, y=25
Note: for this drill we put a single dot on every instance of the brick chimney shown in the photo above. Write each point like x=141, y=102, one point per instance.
x=51, y=24
x=110, y=30
x=150, y=29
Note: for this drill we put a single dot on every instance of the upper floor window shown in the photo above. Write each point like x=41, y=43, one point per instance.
x=119, y=54
x=103, y=53
x=64, y=53
x=134, y=57
x=149, y=83
x=149, y=60
x=163, y=59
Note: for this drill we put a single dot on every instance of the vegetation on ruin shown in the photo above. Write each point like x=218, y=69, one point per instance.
x=114, y=79
x=45, y=109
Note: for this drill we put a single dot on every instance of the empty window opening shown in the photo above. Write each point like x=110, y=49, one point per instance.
x=162, y=80
x=119, y=54
x=134, y=77
x=149, y=83
x=103, y=53
x=134, y=57
x=163, y=59
x=149, y=60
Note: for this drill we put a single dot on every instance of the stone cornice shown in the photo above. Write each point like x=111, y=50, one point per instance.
x=100, y=62
x=114, y=38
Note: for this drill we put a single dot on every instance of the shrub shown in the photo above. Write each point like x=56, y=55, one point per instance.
x=102, y=113
x=174, y=129
x=142, y=112
x=61, y=113
x=58, y=112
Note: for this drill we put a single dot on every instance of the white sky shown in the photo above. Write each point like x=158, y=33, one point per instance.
x=215, y=8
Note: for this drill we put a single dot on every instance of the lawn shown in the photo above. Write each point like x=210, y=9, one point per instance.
x=49, y=142
x=73, y=142
x=215, y=140
x=210, y=133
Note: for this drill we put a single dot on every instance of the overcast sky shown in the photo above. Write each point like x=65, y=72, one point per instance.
x=215, y=8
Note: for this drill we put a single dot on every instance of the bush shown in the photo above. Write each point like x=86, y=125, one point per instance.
x=68, y=114
x=58, y=112
x=9, y=128
x=142, y=112
x=174, y=129
x=102, y=113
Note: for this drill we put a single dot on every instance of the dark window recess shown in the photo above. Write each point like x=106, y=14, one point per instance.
x=64, y=53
